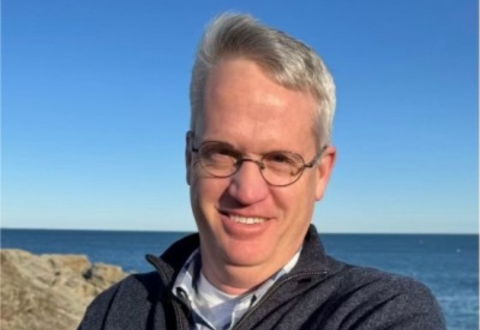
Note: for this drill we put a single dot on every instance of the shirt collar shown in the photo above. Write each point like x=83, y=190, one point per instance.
x=185, y=286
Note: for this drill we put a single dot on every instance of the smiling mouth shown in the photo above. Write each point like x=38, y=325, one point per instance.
x=246, y=220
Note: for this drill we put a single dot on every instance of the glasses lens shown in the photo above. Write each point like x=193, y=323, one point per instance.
x=217, y=159
x=282, y=168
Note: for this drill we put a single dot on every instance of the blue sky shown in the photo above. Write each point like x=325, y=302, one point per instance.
x=95, y=108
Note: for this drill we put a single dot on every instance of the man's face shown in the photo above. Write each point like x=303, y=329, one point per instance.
x=245, y=108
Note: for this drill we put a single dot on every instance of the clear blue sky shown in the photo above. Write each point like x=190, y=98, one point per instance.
x=95, y=108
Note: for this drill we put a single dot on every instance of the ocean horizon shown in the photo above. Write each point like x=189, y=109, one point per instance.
x=446, y=263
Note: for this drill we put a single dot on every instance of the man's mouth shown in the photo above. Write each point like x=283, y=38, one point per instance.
x=246, y=220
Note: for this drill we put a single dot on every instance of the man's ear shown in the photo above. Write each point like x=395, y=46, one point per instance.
x=188, y=155
x=324, y=170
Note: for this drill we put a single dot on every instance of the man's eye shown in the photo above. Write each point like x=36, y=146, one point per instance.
x=280, y=158
x=218, y=152
x=226, y=152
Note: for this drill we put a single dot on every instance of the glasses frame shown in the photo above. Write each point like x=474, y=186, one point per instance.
x=261, y=166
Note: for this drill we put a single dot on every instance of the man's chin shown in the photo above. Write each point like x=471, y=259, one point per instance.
x=247, y=254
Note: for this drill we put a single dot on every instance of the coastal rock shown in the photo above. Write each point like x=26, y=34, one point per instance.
x=49, y=291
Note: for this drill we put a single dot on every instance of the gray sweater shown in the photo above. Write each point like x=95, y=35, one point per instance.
x=319, y=293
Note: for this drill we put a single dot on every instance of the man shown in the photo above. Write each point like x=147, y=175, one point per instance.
x=258, y=157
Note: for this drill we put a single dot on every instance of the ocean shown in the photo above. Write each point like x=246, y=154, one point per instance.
x=448, y=264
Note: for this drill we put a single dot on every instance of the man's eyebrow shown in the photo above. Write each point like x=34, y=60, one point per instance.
x=229, y=145
x=222, y=143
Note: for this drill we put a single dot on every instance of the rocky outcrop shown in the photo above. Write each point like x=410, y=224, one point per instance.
x=49, y=291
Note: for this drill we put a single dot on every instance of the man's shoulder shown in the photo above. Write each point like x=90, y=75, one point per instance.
x=138, y=285
x=367, y=280
x=139, y=297
x=382, y=297
x=134, y=296
x=359, y=293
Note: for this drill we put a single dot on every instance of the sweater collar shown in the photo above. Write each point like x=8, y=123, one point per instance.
x=313, y=257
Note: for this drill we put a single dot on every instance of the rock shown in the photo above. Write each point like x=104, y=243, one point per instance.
x=50, y=291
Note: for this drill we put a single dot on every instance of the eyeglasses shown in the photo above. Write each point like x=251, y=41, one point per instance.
x=278, y=168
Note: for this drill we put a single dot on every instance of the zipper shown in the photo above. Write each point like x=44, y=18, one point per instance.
x=171, y=296
x=271, y=291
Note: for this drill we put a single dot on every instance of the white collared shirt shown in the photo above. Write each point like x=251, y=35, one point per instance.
x=213, y=309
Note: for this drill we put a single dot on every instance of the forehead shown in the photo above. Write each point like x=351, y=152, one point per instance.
x=243, y=105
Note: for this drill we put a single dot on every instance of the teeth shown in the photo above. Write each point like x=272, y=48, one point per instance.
x=246, y=220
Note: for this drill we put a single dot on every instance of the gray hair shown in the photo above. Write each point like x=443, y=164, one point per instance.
x=288, y=61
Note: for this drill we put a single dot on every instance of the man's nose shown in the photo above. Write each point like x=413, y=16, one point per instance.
x=248, y=185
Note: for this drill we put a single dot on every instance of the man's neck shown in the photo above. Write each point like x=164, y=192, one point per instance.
x=238, y=280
